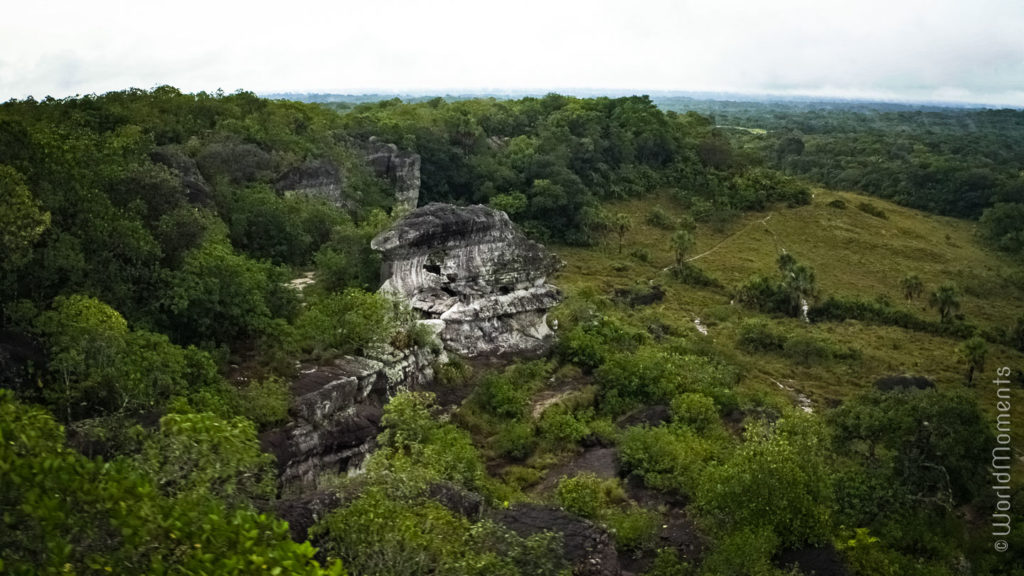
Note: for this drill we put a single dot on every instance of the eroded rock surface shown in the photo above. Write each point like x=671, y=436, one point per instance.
x=320, y=178
x=336, y=412
x=471, y=271
x=401, y=168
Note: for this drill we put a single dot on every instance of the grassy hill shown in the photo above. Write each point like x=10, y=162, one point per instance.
x=853, y=253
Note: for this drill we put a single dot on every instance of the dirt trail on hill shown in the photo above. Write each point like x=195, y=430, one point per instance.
x=730, y=237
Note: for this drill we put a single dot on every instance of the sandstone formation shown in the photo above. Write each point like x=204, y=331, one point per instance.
x=401, y=168
x=478, y=278
x=336, y=411
x=320, y=178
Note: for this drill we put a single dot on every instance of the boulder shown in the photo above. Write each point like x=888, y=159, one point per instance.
x=336, y=412
x=401, y=168
x=471, y=269
x=320, y=178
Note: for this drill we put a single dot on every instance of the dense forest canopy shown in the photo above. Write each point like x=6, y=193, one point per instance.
x=149, y=333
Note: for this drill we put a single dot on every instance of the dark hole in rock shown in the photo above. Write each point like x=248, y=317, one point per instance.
x=506, y=289
x=432, y=268
x=452, y=277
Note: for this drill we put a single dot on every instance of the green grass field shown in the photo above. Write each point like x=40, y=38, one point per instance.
x=853, y=254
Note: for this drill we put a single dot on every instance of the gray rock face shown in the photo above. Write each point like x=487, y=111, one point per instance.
x=480, y=280
x=401, y=168
x=588, y=548
x=319, y=178
x=191, y=178
x=336, y=412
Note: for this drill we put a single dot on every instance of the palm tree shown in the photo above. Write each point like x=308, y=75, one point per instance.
x=912, y=286
x=946, y=300
x=621, y=224
x=974, y=352
x=798, y=284
x=682, y=242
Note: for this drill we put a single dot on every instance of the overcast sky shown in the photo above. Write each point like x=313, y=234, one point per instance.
x=950, y=50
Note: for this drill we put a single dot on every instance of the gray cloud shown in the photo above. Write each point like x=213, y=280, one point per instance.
x=970, y=50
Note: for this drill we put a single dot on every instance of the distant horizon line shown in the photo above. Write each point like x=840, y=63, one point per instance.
x=715, y=95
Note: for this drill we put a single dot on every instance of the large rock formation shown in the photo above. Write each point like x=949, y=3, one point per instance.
x=401, y=168
x=336, y=412
x=471, y=271
x=321, y=178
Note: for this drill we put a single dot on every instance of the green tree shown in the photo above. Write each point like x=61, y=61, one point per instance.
x=347, y=323
x=945, y=299
x=99, y=366
x=682, y=243
x=973, y=351
x=22, y=220
x=777, y=481
x=798, y=283
x=65, y=513
x=196, y=454
x=621, y=223
x=912, y=286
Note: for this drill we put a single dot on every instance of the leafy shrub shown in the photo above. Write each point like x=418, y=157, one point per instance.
x=634, y=528
x=346, y=323
x=589, y=345
x=641, y=254
x=758, y=335
x=516, y=440
x=560, y=428
x=650, y=376
x=776, y=481
x=521, y=477
x=453, y=373
x=587, y=495
x=658, y=218
x=664, y=459
x=839, y=309
x=807, y=350
x=668, y=563
x=507, y=395
x=265, y=402
x=872, y=210
x=695, y=411
x=686, y=273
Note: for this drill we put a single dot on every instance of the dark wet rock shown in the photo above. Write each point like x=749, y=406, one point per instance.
x=457, y=499
x=471, y=271
x=192, y=180
x=903, y=382
x=588, y=548
x=823, y=561
x=401, y=168
x=305, y=511
x=640, y=296
x=336, y=411
x=319, y=178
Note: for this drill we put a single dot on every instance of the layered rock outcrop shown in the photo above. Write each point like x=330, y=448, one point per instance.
x=401, y=168
x=321, y=178
x=336, y=411
x=482, y=282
